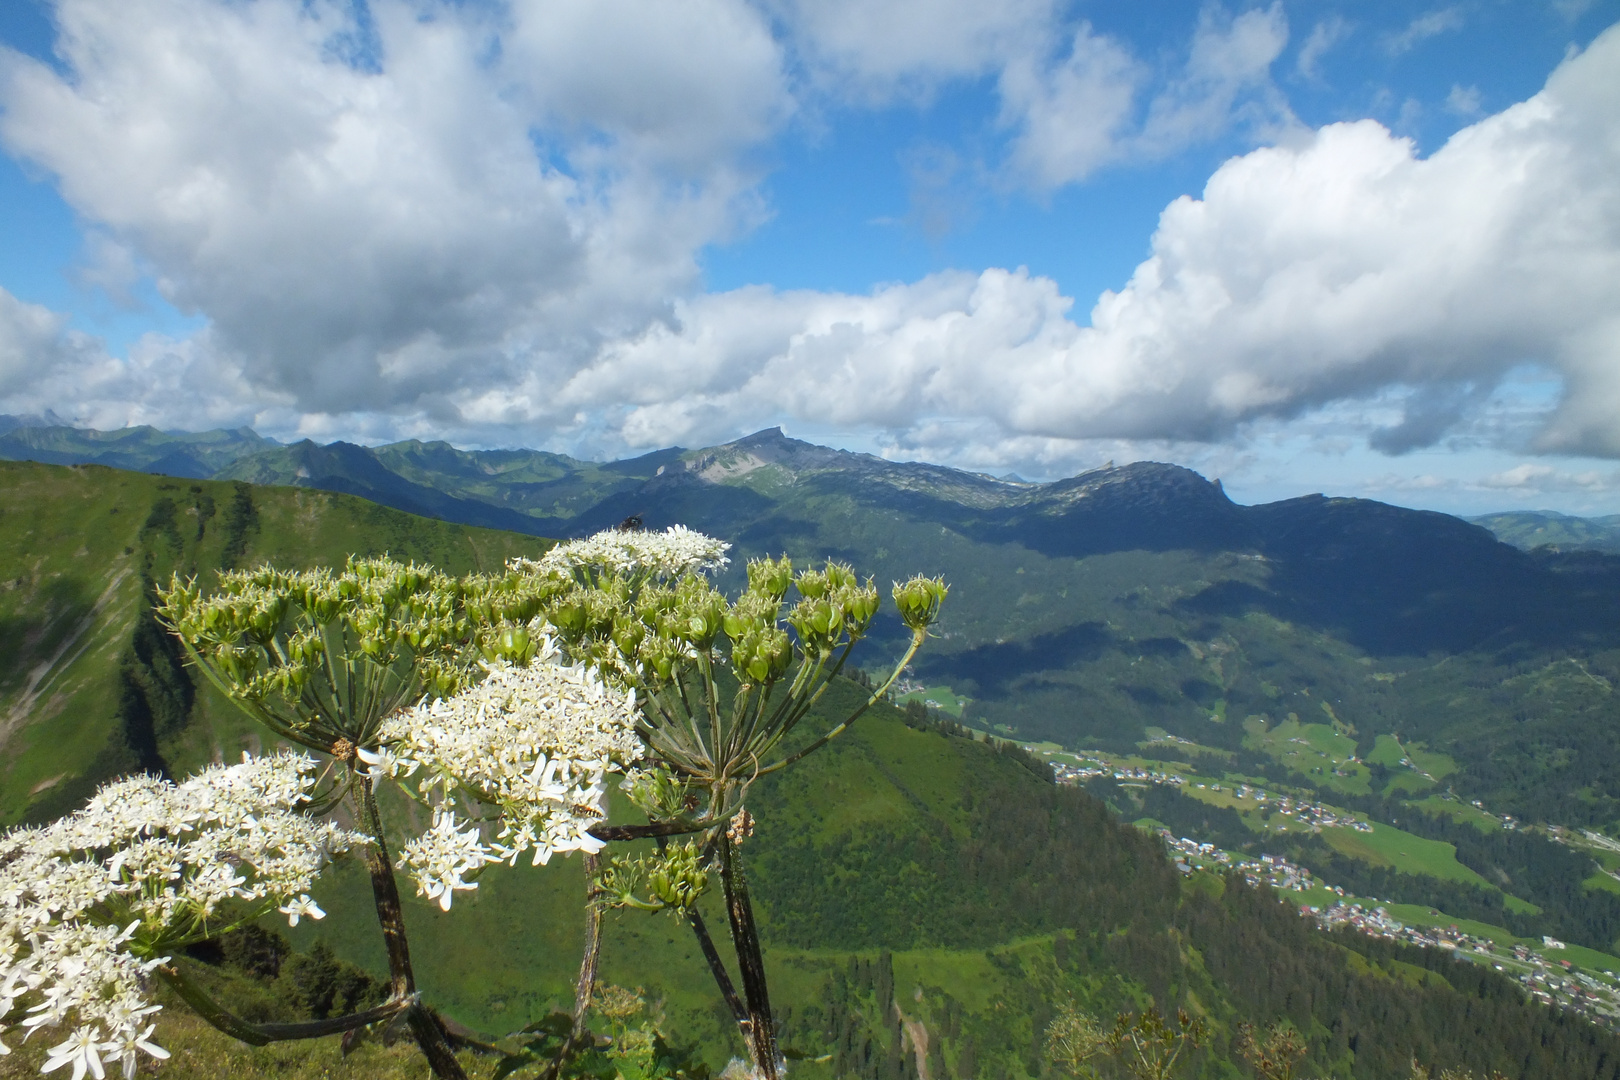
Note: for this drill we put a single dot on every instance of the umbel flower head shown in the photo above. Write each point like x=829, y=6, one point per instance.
x=89, y=904
x=668, y=554
x=321, y=657
x=638, y=609
x=534, y=743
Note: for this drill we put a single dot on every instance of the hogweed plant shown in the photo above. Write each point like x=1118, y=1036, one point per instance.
x=1145, y=1045
x=322, y=659
x=507, y=705
x=1275, y=1052
x=393, y=669
x=527, y=750
x=720, y=687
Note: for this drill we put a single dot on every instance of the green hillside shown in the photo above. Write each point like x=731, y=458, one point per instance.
x=90, y=688
x=1089, y=610
x=914, y=879
x=1129, y=610
x=907, y=875
x=1530, y=529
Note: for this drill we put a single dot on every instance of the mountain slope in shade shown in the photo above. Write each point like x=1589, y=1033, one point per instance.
x=89, y=687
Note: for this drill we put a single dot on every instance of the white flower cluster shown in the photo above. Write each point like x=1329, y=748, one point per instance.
x=87, y=902
x=668, y=554
x=536, y=742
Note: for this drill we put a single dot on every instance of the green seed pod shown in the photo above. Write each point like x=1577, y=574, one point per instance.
x=919, y=601
x=770, y=577
x=776, y=649
x=513, y=644
x=812, y=584
x=628, y=634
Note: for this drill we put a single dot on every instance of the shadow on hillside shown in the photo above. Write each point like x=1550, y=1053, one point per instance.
x=44, y=618
x=993, y=670
x=718, y=510
x=1430, y=606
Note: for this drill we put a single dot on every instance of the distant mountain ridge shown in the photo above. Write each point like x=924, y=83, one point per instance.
x=1093, y=609
x=191, y=456
x=533, y=490
x=1531, y=529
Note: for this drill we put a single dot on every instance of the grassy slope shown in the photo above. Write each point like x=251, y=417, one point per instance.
x=77, y=546
x=1095, y=649
x=507, y=953
x=1532, y=529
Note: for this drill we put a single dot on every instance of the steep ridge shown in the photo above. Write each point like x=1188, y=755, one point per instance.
x=89, y=686
x=356, y=470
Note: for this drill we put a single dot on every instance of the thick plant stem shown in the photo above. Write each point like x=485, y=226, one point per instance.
x=264, y=1034
x=717, y=966
x=585, y=989
x=750, y=962
x=424, y=1025
x=385, y=891
x=722, y=977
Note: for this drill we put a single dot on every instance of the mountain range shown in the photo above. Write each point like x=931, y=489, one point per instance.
x=1105, y=610
x=546, y=491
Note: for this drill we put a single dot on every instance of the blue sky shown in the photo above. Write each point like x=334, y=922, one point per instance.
x=1367, y=249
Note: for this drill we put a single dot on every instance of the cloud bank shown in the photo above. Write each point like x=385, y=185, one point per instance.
x=485, y=222
x=1305, y=275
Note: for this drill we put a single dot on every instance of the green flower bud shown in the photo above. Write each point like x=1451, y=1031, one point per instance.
x=777, y=651
x=513, y=644
x=919, y=600
x=770, y=577
x=628, y=634
x=812, y=584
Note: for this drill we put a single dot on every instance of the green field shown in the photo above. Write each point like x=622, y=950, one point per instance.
x=937, y=697
x=1389, y=846
x=1322, y=753
x=1457, y=810
x=1161, y=738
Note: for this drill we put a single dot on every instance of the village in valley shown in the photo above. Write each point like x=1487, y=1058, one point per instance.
x=1581, y=980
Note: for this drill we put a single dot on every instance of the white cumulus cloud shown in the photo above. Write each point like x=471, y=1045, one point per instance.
x=483, y=222
x=1081, y=113
x=873, y=52
x=384, y=214
x=1307, y=274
